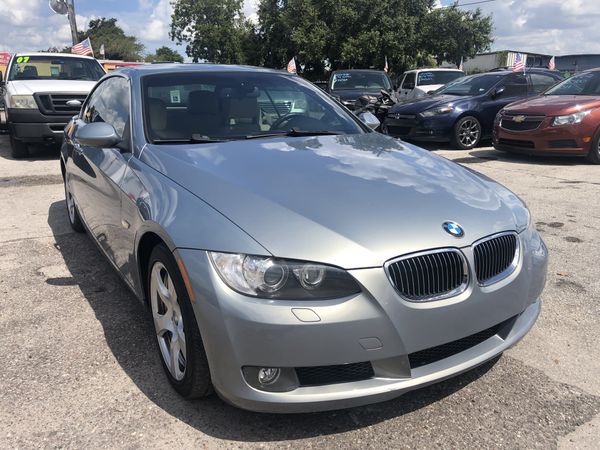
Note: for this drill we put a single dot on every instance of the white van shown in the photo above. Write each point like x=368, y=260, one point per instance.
x=419, y=82
x=42, y=91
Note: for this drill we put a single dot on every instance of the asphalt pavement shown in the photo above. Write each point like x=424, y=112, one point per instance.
x=78, y=366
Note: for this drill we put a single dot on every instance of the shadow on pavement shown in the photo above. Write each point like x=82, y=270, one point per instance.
x=36, y=152
x=129, y=334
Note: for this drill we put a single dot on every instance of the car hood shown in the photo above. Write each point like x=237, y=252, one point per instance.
x=421, y=104
x=553, y=105
x=353, y=94
x=351, y=200
x=29, y=87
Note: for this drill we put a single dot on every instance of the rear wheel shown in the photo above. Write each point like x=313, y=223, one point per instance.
x=594, y=155
x=177, y=333
x=19, y=149
x=467, y=133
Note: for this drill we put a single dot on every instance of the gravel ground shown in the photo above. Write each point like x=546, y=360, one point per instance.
x=79, y=369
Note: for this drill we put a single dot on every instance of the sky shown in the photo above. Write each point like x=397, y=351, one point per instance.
x=553, y=27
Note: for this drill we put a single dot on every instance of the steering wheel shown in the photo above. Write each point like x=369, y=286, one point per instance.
x=286, y=120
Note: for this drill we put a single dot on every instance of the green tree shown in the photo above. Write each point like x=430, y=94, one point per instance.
x=117, y=45
x=164, y=54
x=213, y=30
x=451, y=34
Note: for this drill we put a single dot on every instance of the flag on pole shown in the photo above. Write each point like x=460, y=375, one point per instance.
x=83, y=48
x=102, y=54
x=386, y=67
x=460, y=66
x=291, y=66
x=552, y=64
x=519, y=63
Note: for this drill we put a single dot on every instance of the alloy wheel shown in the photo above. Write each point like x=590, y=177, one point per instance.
x=468, y=133
x=70, y=203
x=168, y=321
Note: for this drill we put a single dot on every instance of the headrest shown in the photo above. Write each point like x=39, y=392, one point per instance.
x=30, y=71
x=157, y=114
x=202, y=102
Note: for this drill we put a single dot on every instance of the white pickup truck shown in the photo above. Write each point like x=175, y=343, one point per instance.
x=42, y=91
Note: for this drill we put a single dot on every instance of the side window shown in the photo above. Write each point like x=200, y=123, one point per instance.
x=541, y=82
x=515, y=86
x=109, y=103
x=409, y=81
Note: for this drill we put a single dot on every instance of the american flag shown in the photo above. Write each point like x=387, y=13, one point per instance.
x=291, y=66
x=83, y=48
x=386, y=67
x=552, y=64
x=519, y=63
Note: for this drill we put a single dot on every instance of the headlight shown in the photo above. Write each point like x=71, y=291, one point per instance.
x=266, y=277
x=499, y=116
x=23, y=102
x=570, y=119
x=437, y=111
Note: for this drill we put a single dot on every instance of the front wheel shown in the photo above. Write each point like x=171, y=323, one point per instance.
x=177, y=333
x=18, y=149
x=594, y=154
x=72, y=213
x=467, y=133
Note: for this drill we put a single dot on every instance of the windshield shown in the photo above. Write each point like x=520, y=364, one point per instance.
x=587, y=83
x=360, y=80
x=471, y=85
x=214, y=106
x=55, y=68
x=438, y=77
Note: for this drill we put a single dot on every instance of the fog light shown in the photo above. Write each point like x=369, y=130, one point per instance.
x=268, y=375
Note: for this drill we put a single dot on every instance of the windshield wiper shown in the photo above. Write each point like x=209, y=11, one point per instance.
x=294, y=132
x=194, y=139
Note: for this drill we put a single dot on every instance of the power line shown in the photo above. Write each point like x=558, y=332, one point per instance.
x=470, y=3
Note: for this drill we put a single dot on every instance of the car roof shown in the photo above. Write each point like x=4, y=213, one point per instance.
x=166, y=68
x=58, y=55
x=359, y=70
x=434, y=69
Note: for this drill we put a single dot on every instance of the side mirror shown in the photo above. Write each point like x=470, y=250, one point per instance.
x=369, y=119
x=97, y=134
x=498, y=91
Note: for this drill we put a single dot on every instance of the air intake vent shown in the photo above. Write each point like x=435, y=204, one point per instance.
x=430, y=275
x=343, y=373
x=495, y=257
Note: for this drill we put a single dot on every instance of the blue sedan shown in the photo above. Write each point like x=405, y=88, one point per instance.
x=463, y=111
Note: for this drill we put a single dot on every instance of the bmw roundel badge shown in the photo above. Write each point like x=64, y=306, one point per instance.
x=454, y=229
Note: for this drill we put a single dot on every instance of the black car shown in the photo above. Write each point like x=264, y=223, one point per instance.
x=463, y=111
x=348, y=85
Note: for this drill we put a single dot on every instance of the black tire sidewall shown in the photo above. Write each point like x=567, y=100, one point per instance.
x=18, y=149
x=196, y=381
x=455, y=137
x=593, y=155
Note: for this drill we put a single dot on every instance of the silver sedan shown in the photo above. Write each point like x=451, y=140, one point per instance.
x=292, y=259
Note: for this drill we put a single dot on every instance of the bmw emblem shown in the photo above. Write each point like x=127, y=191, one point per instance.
x=454, y=229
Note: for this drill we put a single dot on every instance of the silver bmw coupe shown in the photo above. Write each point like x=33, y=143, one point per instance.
x=291, y=258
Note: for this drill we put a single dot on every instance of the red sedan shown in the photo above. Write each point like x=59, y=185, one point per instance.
x=564, y=120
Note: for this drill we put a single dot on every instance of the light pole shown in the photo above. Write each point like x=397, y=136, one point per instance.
x=66, y=7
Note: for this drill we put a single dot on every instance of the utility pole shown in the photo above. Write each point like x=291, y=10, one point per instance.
x=72, y=21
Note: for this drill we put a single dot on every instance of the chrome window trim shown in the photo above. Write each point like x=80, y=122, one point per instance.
x=513, y=265
x=453, y=293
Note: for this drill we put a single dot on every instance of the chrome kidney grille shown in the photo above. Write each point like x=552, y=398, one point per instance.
x=495, y=257
x=431, y=275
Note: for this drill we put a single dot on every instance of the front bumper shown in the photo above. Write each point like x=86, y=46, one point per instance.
x=376, y=326
x=545, y=140
x=412, y=127
x=30, y=125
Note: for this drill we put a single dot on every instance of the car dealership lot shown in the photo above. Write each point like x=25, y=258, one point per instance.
x=78, y=366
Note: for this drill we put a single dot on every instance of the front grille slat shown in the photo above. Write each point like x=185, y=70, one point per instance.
x=343, y=373
x=56, y=104
x=429, y=275
x=494, y=257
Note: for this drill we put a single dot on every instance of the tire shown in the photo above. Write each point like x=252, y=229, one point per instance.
x=72, y=213
x=19, y=149
x=594, y=154
x=173, y=316
x=466, y=133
